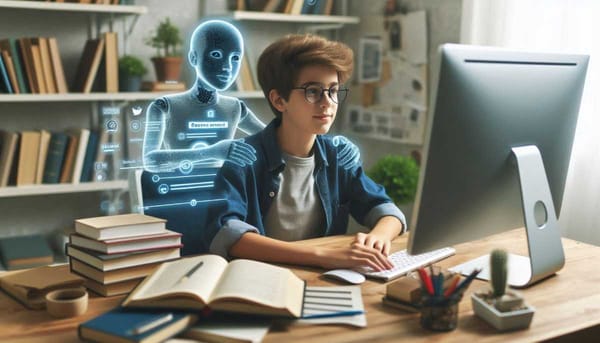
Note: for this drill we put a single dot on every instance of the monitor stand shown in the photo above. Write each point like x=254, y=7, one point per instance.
x=546, y=254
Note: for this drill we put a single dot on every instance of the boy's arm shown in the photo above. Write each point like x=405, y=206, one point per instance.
x=371, y=207
x=257, y=247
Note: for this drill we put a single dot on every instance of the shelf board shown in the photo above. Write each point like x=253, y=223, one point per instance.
x=300, y=18
x=15, y=191
x=73, y=7
x=75, y=97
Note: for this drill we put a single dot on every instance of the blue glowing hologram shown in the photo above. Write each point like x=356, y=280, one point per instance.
x=198, y=126
x=191, y=133
x=349, y=156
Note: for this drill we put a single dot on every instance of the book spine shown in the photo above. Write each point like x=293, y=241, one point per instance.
x=55, y=157
x=5, y=85
x=90, y=157
x=18, y=62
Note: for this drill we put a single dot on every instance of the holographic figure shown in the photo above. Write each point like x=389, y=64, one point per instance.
x=196, y=127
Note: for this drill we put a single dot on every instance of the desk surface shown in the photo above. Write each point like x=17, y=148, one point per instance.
x=565, y=303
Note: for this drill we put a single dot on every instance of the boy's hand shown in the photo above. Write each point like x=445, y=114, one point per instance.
x=374, y=241
x=355, y=255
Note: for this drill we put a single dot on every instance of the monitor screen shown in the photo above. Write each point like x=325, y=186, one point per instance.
x=487, y=102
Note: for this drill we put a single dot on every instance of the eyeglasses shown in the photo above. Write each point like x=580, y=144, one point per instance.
x=314, y=93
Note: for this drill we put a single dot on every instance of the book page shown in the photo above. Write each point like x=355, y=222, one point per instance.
x=261, y=283
x=196, y=276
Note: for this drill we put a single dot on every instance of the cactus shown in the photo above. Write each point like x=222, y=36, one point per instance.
x=499, y=273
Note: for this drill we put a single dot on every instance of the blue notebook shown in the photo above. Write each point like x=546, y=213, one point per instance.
x=126, y=325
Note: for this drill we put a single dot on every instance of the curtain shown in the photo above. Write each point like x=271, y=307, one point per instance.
x=562, y=26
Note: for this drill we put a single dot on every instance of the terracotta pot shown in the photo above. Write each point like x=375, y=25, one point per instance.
x=167, y=68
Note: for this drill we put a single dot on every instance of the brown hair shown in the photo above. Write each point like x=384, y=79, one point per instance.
x=280, y=63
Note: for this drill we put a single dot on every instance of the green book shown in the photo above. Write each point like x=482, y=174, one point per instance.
x=25, y=252
x=10, y=45
x=54, y=159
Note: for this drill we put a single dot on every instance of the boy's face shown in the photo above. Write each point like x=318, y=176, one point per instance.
x=307, y=117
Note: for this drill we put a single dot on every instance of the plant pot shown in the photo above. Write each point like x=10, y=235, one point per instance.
x=167, y=68
x=128, y=83
x=502, y=321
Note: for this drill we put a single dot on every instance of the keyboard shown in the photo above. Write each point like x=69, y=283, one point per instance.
x=405, y=263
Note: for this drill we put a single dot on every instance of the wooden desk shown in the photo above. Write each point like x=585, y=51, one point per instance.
x=566, y=303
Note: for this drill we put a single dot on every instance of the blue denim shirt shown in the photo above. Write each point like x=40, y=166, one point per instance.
x=250, y=191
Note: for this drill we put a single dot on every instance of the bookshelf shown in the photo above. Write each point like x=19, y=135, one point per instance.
x=290, y=18
x=97, y=97
x=30, y=190
x=49, y=208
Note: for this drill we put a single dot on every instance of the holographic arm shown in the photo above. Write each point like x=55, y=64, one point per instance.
x=249, y=122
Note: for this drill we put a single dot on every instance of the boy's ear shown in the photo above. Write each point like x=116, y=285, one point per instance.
x=277, y=100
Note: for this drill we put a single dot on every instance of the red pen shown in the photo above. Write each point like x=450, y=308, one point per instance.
x=426, y=280
x=452, y=286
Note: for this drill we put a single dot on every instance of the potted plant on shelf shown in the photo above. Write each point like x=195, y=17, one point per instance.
x=167, y=62
x=131, y=70
x=504, y=310
x=399, y=175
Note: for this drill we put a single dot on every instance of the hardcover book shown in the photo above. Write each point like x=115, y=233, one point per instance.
x=124, y=225
x=167, y=239
x=126, y=325
x=112, y=276
x=242, y=286
x=109, y=290
x=117, y=261
x=55, y=157
x=31, y=286
x=25, y=252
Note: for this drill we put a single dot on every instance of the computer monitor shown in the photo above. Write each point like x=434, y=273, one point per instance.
x=496, y=155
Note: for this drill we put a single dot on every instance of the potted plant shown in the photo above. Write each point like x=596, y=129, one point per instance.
x=166, y=41
x=399, y=175
x=131, y=70
x=504, y=310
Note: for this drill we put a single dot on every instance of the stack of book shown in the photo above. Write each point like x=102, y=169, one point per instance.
x=114, y=253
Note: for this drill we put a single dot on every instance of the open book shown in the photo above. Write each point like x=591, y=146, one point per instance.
x=243, y=286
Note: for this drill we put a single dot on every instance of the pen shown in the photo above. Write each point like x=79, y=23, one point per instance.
x=190, y=272
x=452, y=286
x=439, y=285
x=465, y=283
x=151, y=323
x=425, y=280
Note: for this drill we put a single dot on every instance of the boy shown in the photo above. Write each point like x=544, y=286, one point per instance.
x=297, y=189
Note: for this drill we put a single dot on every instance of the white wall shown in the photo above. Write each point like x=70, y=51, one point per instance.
x=562, y=27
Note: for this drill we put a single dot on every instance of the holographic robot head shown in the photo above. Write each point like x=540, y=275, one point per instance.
x=216, y=50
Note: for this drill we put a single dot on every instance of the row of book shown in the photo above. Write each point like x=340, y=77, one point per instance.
x=36, y=157
x=115, y=253
x=318, y=7
x=31, y=65
x=34, y=65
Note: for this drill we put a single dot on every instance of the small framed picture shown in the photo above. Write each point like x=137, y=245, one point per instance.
x=370, y=54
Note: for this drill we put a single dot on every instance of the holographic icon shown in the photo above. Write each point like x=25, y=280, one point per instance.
x=135, y=125
x=112, y=125
x=136, y=110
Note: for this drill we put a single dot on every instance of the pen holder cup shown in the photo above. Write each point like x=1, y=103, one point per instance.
x=439, y=314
